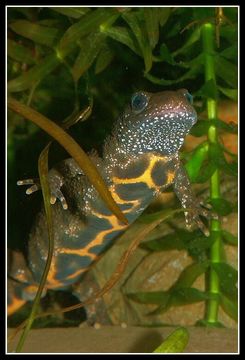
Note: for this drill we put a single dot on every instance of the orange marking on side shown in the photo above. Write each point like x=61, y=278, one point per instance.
x=53, y=283
x=118, y=200
x=79, y=252
x=75, y=274
x=145, y=177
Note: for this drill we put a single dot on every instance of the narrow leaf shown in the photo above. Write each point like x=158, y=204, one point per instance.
x=209, y=90
x=39, y=34
x=200, y=128
x=20, y=53
x=89, y=48
x=35, y=74
x=228, y=277
x=229, y=306
x=230, y=127
x=91, y=21
x=230, y=93
x=185, y=296
x=163, y=14
x=226, y=70
x=190, y=74
x=163, y=214
x=138, y=28
x=216, y=156
x=175, y=343
x=221, y=206
x=229, y=238
x=166, y=55
x=231, y=52
x=193, y=165
x=152, y=25
x=193, y=38
x=154, y=297
x=190, y=274
x=206, y=171
x=168, y=242
x=74, y=12
x=104, y=58
x=198, y=246
x=124, y=36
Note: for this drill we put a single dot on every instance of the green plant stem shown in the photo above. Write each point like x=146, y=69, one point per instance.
x=43, y=174
x=212, y=306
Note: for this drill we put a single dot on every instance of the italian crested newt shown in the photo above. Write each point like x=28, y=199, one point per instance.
x=140, y=160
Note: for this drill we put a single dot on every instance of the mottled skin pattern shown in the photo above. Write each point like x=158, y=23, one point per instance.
x=140, y=160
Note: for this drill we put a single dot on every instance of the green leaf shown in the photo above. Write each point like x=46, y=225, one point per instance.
x=29, y=12
x=124, y=36
x=152, y=25
x=231, y=52
x=229, y=306
x=200, y=128
x=190, y=74
x=193, y=165
x=166, y=55
x=193, y=66
x=74, y=12
x=180, y=239
x=163, y=14
x=163, y=214
x=198, y=246
x=185, y=296
x=168, y=242
x=228, y=277
x=35, y=74
x=104, y=58
x=91, y=21
x=137, y=26
x=216, y=156
x=230, y=127
x=193, y=38
x=20, y=53
x=229, y=238
x=153, y=297
x=206, y=171
x=175, y=342
x=89, y=48
x=221, y=206
x=226, y=70
x=230, y=93
x=190, y=274
x=39, y=34
x=230, y=33
x=209, y=90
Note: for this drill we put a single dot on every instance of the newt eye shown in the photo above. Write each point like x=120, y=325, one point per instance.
x=189, y=97
x=139, y=101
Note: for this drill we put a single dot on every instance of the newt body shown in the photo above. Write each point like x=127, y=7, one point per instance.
x=140, y=160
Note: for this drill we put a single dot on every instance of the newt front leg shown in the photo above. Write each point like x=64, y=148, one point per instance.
x=184, y=192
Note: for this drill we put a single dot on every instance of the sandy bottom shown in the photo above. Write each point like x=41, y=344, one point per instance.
x=116, y=339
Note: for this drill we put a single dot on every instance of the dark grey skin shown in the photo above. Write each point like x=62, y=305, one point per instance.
x=152, y=124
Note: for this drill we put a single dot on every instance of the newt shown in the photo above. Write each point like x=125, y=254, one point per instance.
x=140, y=160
